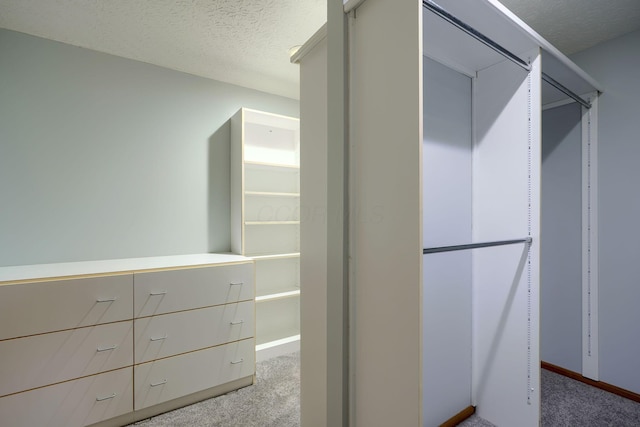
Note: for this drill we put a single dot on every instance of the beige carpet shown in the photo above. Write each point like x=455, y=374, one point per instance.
x=273, y=401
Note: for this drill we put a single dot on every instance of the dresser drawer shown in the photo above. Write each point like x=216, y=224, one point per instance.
x=71, y=404
x=34, y=308
x=40, y=360
x=170, y=334
x=175, y=290
x=167, y=379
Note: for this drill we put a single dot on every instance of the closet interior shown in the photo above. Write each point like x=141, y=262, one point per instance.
x=445, y=142
x=569, y=216
x=486, y=77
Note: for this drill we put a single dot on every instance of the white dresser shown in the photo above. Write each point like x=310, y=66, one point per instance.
x=113, y=342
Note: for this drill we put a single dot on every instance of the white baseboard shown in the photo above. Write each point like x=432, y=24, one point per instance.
x=277, y=348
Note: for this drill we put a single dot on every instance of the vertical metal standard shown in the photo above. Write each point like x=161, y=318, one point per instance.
x=337, y=218
x=590, y=240
x=529, y=232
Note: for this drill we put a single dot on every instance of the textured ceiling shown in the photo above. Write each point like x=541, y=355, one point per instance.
x=246, y=42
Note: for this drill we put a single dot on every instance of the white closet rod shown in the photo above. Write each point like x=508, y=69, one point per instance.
x=526, y=240
x=547, y=78
x=433, y=7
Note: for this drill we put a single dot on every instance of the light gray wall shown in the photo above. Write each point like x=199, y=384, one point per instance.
x=561, y=237
x=104, y=157
x=615, y=65
x=446, y=200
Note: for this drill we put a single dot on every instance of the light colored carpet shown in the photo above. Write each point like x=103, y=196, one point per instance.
x=273, y=401
x=570, y=403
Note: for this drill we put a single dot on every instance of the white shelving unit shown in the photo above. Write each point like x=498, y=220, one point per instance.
x=265, y=221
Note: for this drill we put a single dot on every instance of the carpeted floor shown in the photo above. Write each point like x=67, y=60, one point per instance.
x=274, y=401
x=570, y=403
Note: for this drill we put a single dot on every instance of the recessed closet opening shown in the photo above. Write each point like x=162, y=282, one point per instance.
x=561, y=249
x=447, y=200
x=479, y=192
x=482, y=124
x=569, y=285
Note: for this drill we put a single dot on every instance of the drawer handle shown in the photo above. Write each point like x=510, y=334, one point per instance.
x=113, y=347
x=237, y=322
x=106, y=299
x=236, y=283
x=237, y=361
x=159, y=338
x=153, y=294
x=111, y=396
x=164, y=381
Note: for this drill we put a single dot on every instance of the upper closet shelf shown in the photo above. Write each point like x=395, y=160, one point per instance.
x=270, y=194
x=271, y=164
x=453, y=47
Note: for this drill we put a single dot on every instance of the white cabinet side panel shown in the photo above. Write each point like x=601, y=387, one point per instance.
x=446, y=221
x=506, y=173
x=313, y=237
x=386, y=258
x=237, y=183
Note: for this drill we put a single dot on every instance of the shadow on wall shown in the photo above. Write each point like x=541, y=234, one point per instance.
x=219, y=190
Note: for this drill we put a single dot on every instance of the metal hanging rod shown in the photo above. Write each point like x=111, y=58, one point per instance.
x=547, y=78
x=526, y=240
x=428, y=4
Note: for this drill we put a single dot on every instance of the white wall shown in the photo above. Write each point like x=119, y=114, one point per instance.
x=561, y=240
x=615, y=65
x=105, y=157
x=446, y=303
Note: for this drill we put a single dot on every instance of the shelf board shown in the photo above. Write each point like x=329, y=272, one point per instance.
x=278, y=342
x=276, y=256
x=281, y=295
x=272, y=223
x=270, y=194
x=271, y=165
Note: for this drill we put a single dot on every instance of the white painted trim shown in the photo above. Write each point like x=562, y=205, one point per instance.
x=308, y=46
x=351, y=188
x=350, y=5
x=337, y=226
x=590, y=353
x=271, y=297
x=277, y=348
